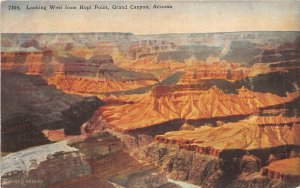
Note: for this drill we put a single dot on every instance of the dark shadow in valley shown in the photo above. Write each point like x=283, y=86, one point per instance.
x=170, y=80
x=158, y=129
x=214, y=121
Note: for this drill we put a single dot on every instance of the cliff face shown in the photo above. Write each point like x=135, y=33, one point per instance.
x=30, y=105
x=78, y=75
x=186, y=166
x=94, y=86
x=42, y=165
x=286, y=169
x=249, y=134
x=286, y=52
x=219, y=70
x=251, y=157
x=164, y=105
x=207, y=170
x=99, y=160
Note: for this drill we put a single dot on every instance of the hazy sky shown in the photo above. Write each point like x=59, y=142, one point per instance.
x=184, y=17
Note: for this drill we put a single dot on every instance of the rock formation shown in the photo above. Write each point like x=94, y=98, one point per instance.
x=286, y=170
x=99, y=160
x=249, y=135
x=30, y=105
x=164, y=104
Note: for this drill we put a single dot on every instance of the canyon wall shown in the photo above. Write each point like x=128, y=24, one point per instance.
x=80, y=161
x=30, y=105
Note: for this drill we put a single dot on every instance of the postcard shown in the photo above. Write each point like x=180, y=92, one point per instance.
x=150, y=94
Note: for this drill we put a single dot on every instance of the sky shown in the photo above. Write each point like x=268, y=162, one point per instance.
x=184, y=17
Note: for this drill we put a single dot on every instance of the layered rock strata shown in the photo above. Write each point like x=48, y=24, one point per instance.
x=79, y=161
x=166, y=107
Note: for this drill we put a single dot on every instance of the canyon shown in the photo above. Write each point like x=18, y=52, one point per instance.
x=126, y=110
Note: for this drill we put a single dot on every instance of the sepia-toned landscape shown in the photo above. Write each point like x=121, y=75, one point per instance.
x=163, y=110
